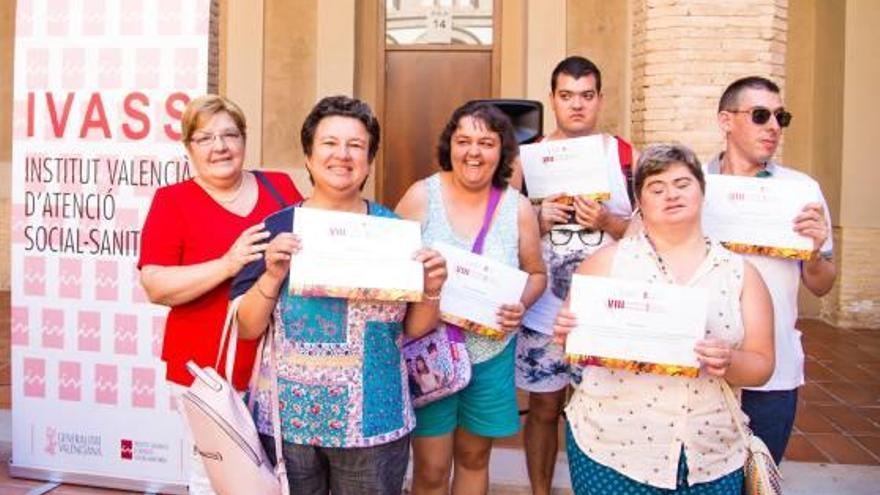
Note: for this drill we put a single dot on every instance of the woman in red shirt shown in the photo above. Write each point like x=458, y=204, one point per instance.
x=198, y=235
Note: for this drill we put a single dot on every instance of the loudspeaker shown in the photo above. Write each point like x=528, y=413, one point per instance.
x=527, y=117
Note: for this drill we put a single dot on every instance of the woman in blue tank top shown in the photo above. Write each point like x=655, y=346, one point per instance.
x=475, y=153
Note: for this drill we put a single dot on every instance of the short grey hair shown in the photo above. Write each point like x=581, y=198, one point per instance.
x=657, y=158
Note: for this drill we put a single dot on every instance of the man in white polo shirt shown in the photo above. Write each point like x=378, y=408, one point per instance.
x=752, y=117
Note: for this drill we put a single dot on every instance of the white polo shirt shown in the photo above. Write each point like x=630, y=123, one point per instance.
x=782, y=277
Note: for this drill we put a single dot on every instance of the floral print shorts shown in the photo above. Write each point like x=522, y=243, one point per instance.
x=540, y=366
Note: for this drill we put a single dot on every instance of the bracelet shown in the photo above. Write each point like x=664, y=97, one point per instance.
x=431, y=297
x=260, y=290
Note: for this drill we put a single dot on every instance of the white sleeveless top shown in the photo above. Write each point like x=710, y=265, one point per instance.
x=637, y=423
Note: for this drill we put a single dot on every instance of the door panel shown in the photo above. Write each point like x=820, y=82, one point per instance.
x=422, y=88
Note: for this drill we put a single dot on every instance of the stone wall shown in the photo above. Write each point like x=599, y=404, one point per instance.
x=855, y=300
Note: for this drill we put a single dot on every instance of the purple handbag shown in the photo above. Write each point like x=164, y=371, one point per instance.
x=437, y=364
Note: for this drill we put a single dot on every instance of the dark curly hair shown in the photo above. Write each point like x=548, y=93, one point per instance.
x=342, y=106
x=497, y=122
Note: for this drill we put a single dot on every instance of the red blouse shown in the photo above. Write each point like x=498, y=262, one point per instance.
x=185, y=226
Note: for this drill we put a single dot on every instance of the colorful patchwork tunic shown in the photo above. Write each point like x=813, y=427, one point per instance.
x=341, y=379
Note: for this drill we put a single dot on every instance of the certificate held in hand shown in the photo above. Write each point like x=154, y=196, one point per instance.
x=751, y=215
x=636, y=326
x=474, y=289
x=573, y=167
x=354, y=256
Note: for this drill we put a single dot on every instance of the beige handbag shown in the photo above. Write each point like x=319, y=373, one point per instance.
x=761, y=476
x=222, y=426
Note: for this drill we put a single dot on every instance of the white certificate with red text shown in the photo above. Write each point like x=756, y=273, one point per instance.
x=356, y=256
x=475, y=288
x=640, y=326
x=573, y=167
x=753, y=215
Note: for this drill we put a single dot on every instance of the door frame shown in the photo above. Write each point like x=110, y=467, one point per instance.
x=379, y=108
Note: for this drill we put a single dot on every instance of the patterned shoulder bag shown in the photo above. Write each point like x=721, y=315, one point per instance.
x=437, y=364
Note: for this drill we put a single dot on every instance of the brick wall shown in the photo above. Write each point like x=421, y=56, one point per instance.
x=685, y=52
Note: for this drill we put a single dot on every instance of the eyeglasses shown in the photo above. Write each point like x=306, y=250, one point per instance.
x=761, y=115
x=205, y=141
x=561, y=237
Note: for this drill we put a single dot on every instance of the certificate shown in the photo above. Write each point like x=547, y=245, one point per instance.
x=573, y=167
x=541, y=315
x=636, y=326
x=756, y=216
x=354, y=256
x=474, y=289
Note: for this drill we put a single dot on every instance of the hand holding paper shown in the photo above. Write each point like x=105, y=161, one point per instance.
x=760, y=216
x=635, y=325
x=356, y=257
x=811, y=223
x=434, y=268
x=279, y=253
x=510, y=315
x=715, y=355
x=481, y=295
x=573, y=167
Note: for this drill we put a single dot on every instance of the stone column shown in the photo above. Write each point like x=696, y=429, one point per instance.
x=685, y=52
x=855, y=301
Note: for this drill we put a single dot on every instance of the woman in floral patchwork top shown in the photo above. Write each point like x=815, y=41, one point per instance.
x=344, y=399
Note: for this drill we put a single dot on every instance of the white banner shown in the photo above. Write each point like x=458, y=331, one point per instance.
x=99, y=89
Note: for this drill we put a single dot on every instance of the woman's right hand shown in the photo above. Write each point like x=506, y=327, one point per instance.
x=279, y=252
x=565, y=323
x=248, y=247
x=553, y=212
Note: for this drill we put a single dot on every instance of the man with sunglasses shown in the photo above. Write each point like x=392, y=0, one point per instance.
x=572, y=229
x=752, y=117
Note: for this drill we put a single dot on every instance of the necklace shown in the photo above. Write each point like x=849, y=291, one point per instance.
x=659, y=259
x=227, y=201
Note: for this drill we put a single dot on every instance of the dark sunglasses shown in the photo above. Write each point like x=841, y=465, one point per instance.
x=761, y=115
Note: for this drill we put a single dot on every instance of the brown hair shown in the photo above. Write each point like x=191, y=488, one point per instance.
x=207, y=106
x=657, y=158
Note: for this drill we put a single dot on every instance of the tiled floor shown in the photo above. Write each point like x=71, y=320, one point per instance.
x=838, y=417
x=839, y=413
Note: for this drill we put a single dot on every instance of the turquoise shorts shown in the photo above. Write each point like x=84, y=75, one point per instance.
x=486, y=407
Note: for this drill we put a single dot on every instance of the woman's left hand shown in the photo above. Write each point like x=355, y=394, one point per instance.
x=434, y=265
x=510, y=316
x=714, y=355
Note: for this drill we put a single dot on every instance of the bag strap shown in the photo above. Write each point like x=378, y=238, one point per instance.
x=265, y=345
x=230, y=334
x=269, y=187
x=494, y=197
x=733, y=407
x=625, y=155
